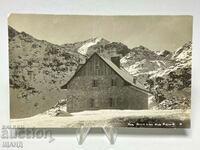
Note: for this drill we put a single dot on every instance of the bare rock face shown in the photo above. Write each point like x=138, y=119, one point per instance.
x=142, y=63
x=167, y=75
x=174, y=83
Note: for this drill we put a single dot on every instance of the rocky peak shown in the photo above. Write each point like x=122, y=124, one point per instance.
x=183, y=53
x=164, y=53
x=12, y=32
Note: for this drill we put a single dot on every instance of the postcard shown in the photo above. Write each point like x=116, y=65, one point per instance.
x=72, y=71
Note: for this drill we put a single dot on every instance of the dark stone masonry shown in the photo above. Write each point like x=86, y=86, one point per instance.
x=100, y=84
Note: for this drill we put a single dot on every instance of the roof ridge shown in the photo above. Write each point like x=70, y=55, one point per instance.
x=130, y=74
x=123, y=74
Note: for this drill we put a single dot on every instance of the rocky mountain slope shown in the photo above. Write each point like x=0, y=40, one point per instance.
x=100, y=45
x=167, y=75
x=142, y=62
x=172, y=86
x=37, y=70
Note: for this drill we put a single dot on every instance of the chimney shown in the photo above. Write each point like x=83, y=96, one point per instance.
x=134, y=80
x=116, y=61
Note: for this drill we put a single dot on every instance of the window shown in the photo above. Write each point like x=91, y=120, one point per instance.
x=97, y=69
x=110, y=102
x=92, y=103
x=113, y=82
x=97, y=66
x=134, y=80
x=94, y=83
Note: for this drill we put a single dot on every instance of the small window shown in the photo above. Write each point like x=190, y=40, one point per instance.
x=92, y=103
x=97, y=67
x=110, y=102
x=113, y=82
x=94, y=83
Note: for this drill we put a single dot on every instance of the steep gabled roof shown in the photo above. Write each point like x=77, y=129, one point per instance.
x=121, y=72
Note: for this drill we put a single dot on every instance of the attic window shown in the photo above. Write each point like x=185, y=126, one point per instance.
x=97, y=66
x=97, y=71
x=94, y=83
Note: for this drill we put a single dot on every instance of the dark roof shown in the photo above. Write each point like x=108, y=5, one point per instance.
x=120, y=71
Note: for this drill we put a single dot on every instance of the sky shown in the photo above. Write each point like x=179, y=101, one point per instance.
x=153, y=32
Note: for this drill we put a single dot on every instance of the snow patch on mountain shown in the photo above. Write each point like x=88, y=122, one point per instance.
x=166, y=74
x=84, y=48
x=145, y=66
x=142, y=62
x=164, y=53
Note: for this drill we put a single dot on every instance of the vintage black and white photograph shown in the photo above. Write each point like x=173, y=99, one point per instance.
x=72, y=71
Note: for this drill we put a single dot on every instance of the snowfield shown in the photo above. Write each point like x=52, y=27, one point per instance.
x=114, y=118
